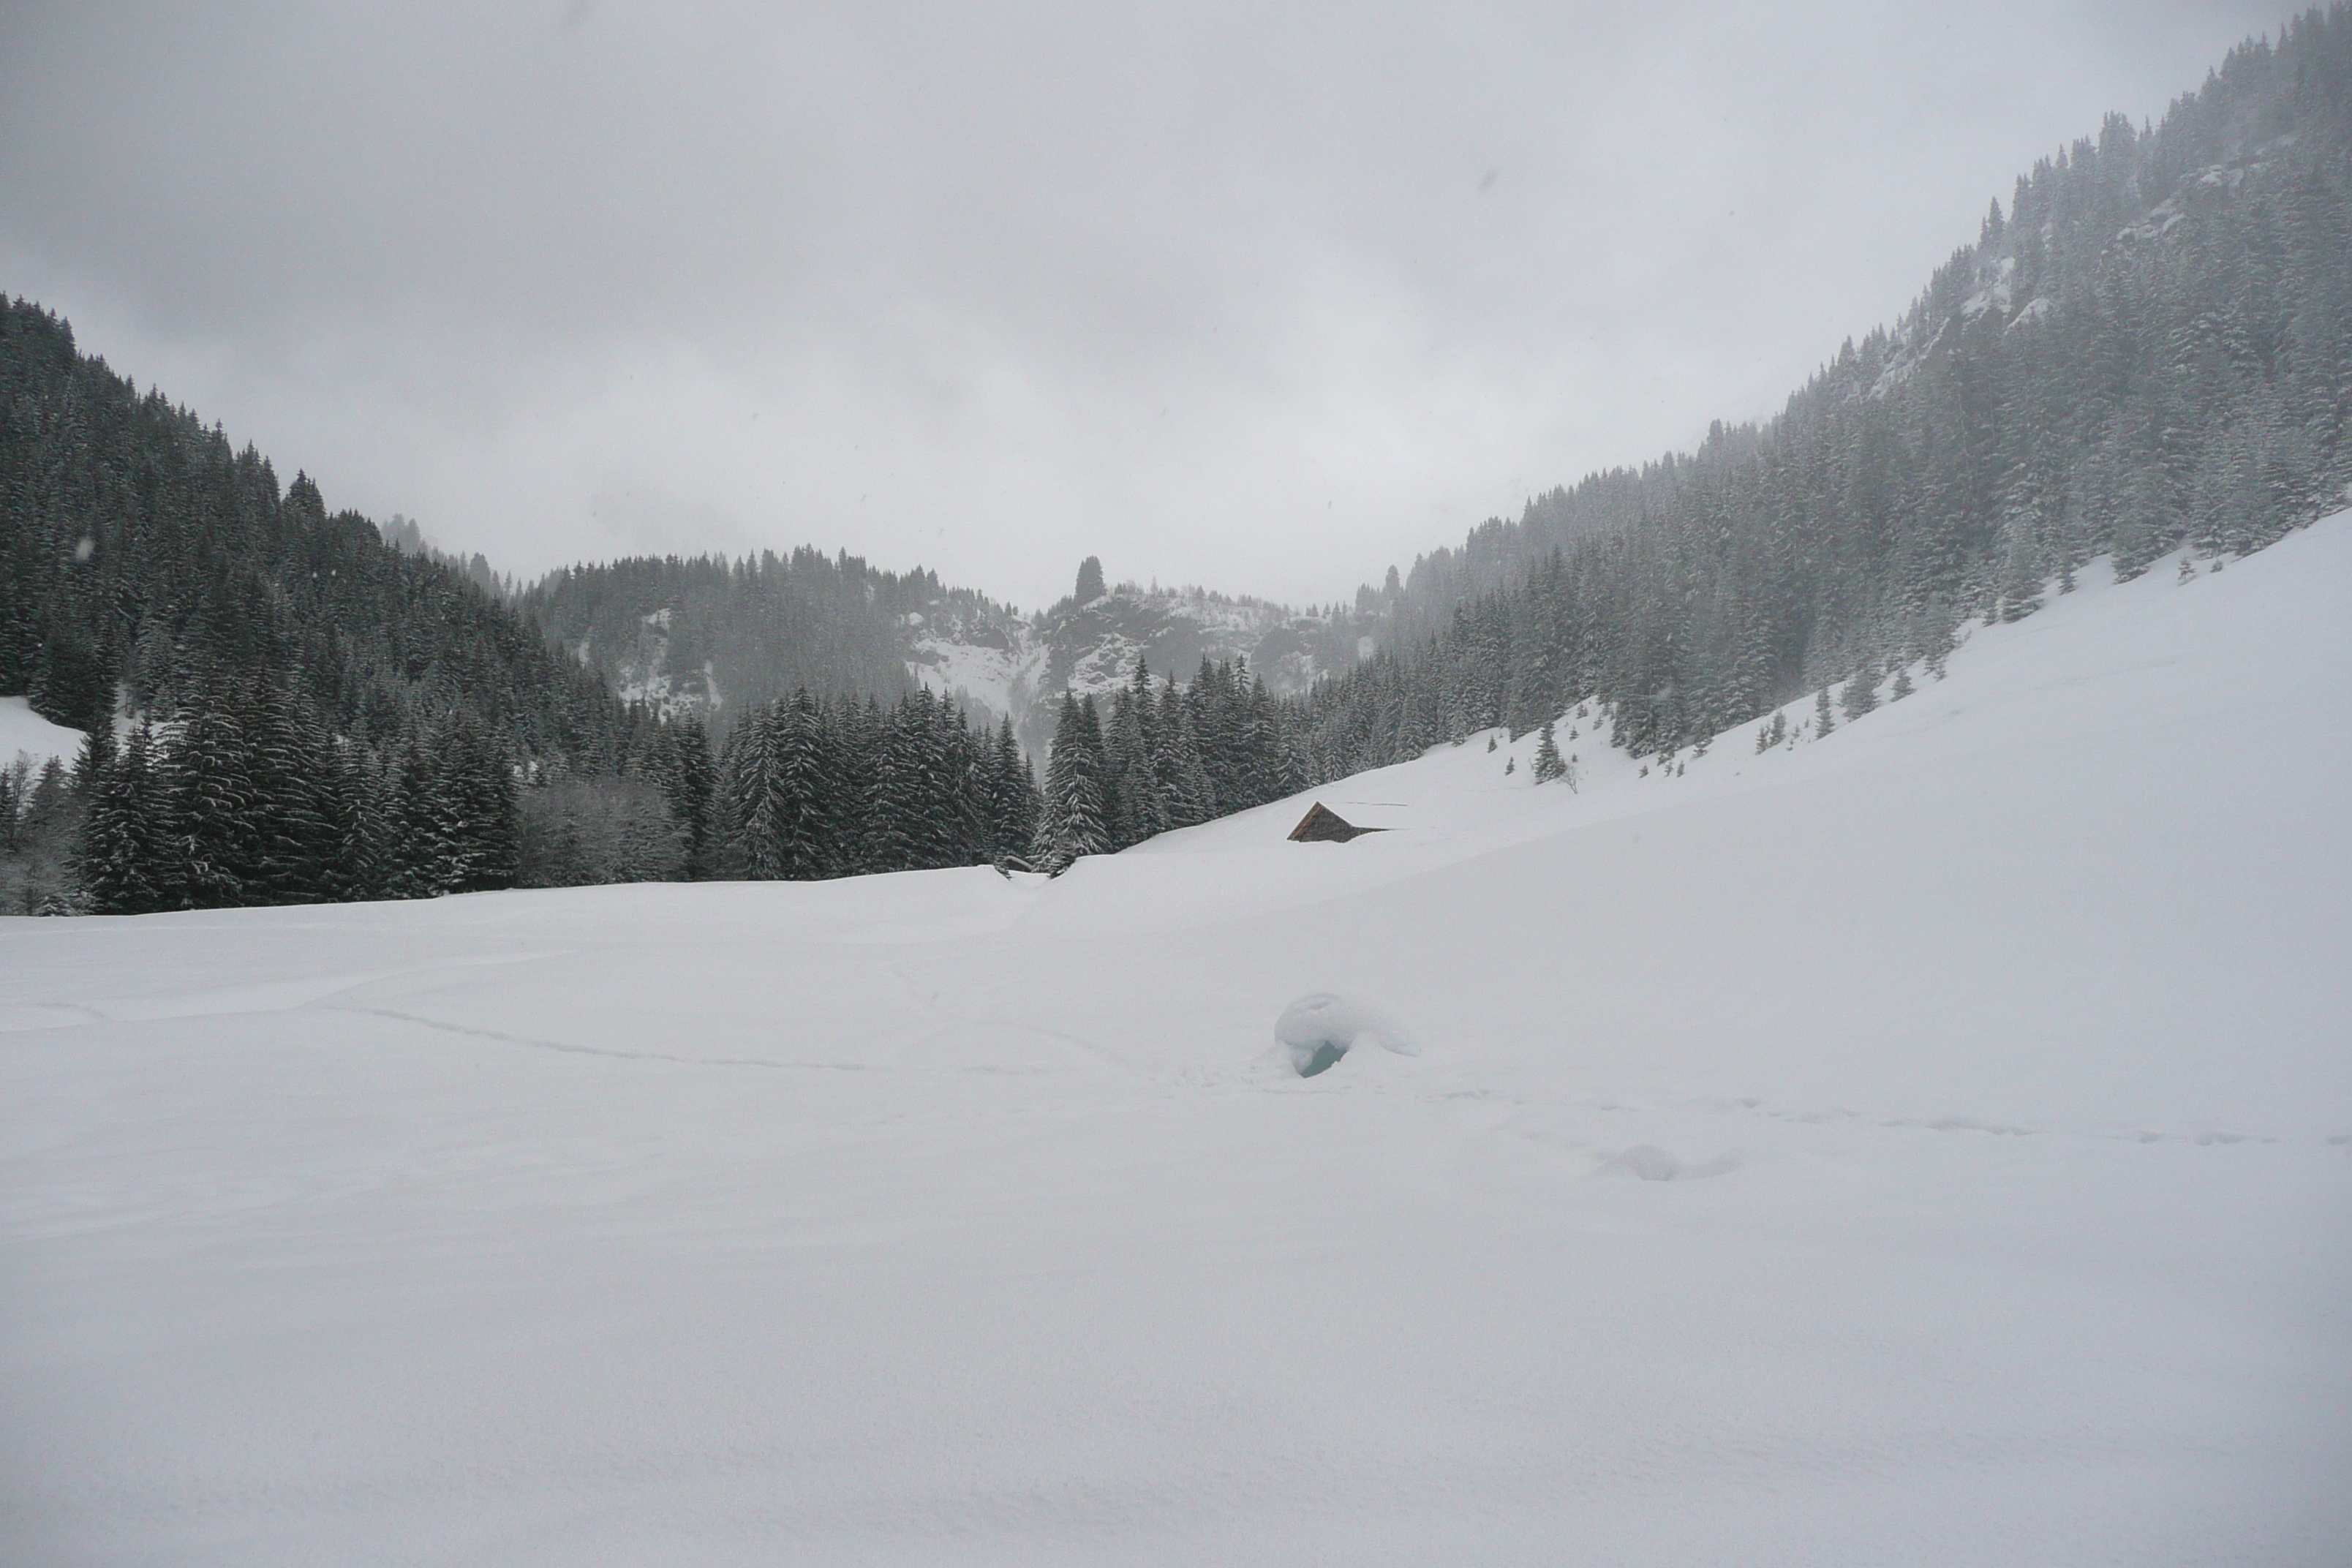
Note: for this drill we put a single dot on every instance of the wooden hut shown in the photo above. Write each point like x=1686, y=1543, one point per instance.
x=1321, y=825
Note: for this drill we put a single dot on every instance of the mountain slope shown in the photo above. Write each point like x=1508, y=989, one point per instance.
x=2205, y=264
x=1924, y=1145
x=142, y=559
x=2150, y=353
x=719, y=639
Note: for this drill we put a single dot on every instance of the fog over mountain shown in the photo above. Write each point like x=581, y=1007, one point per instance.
x=1263, y=301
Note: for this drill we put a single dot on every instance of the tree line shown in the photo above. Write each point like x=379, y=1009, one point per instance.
x=247, y=799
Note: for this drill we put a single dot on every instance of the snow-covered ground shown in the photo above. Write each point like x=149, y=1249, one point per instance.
x=1931, y=1144
x=25, y=734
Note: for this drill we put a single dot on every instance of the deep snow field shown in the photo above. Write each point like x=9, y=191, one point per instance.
x=1930, y=1145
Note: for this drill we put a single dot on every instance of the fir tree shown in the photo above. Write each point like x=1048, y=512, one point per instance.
x=1549, y=765
x=804, y=787
x=479, y=801
x=425, y=858
x=1070, y=822
x=118, y=858
x=1012, y=797
x=209, y=790
x=1861, y=694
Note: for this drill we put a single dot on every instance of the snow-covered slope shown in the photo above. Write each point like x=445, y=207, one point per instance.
x=25, y=733
x=1928, y=1145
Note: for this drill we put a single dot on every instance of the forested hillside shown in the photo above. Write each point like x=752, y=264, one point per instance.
x=2148, y=352
x=318, y=714
x=721, y=637
x=722, y=640
x=138, y=549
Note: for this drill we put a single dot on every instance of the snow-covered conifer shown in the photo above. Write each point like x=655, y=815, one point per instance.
x=1069, y=821
x=1549, y=763
x=1861, y=694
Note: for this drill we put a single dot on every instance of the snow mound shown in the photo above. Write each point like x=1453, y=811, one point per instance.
x=1648, y=1163
x=1320, y=1027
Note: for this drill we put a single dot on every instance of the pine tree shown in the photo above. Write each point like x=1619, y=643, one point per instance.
x=1012, y=797
x=1070, y=824
x=352, y=866
x=207, y=770
x=290, y=772
x=894, y=831
x=803, y=787
x=1104, y=788
x=426, y=858
x=1823, y=723
x=117, y=857
x=689, y=780
x=2021, y=589
x=1194, y=799
x=478, y=800
x=1861, y=695
x=1549, y=765
x=751, y=803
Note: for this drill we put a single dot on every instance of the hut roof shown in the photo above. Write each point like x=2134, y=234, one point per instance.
x=1321, y=825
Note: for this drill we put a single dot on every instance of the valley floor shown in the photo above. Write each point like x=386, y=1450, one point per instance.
x=1927, y=1144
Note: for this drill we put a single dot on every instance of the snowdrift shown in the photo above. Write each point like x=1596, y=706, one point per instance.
x=1927, y=1144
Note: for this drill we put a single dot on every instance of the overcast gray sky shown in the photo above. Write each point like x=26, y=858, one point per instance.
x=1263, y=296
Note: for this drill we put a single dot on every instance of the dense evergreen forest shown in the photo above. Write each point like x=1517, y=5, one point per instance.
x=747, y=632
x=2149, y=352
x=1163, y=758
x=808, y=787
x=141, y=556
x=318, y=714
